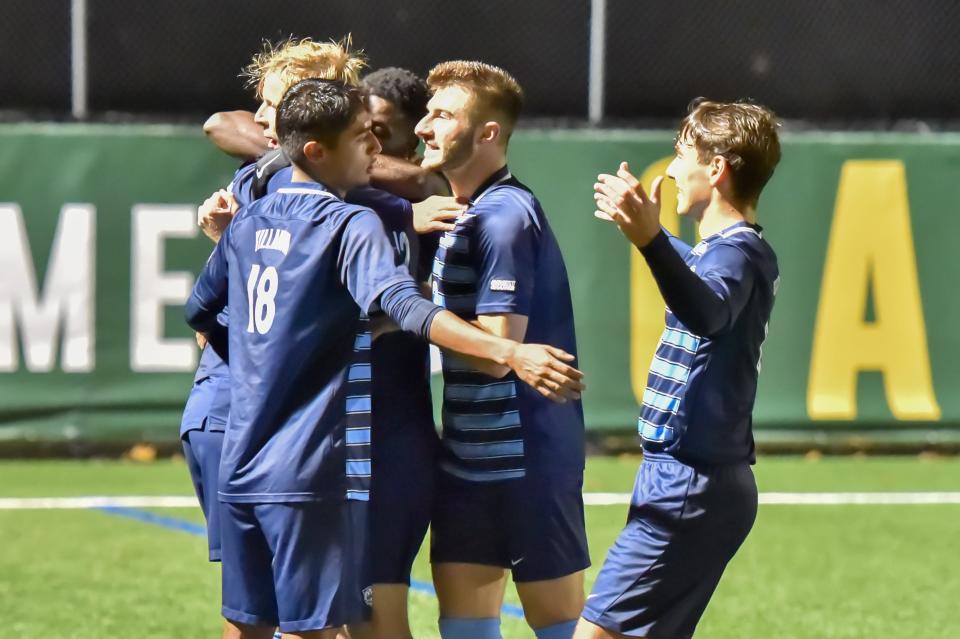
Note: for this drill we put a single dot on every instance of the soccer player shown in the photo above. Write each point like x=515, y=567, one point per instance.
x=207, y=408
x=695, y=499
x=404, y=445
x=509, y=497
x=297, y=268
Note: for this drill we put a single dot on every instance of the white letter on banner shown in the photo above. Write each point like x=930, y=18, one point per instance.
x=67, y=298
x=152, y=288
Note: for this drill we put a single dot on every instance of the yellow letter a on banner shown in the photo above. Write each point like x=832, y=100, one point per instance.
x=871, y=246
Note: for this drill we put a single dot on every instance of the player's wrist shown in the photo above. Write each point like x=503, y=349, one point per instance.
x=508, y=354
x=651, y=242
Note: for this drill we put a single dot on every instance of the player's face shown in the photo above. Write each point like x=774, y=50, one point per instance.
x=448, y=133
x=353, y=156
x=266, y=115
x=392, y=128
x=692, y=178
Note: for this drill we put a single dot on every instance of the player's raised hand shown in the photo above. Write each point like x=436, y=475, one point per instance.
x=435, y=213
x=546, y=369
x=215, y=214
x=622, y=199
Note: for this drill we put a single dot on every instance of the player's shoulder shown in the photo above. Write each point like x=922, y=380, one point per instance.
x=510, y=203
x=381, y=202
x=749, y=240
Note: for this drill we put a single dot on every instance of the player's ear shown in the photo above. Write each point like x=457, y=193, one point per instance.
x=313, y=151
x=490, y=132
x=718, y=170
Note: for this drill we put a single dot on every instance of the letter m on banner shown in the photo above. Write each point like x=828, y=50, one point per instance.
x=63, y=310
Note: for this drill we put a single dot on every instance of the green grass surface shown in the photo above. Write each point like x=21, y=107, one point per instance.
x=805, y=571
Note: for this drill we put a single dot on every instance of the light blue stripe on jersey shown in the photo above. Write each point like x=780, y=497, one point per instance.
x=454, y=274
x=654, y=433
x=681, y=339
x=360, y=404
x=660, y=401
x=358, y=436
x=358, y=468
x=469, y=392
x=358, y=495
x=510, y=419
x=490, y=450
x=359, y=373
x=454, y=242
x=363, y=341
x=670, y=370
x=486, y=475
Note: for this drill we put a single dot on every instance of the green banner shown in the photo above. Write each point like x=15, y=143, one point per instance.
x=99, y=247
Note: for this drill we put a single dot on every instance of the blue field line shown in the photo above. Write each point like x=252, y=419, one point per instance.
x=182, y=525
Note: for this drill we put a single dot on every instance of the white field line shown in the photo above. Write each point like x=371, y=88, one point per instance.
x=811, y=499
x=52, y=503
x=590, y=499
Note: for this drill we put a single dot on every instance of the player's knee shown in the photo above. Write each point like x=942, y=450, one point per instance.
x=462, y=628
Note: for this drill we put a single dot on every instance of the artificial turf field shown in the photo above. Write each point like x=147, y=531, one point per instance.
x=806, y=571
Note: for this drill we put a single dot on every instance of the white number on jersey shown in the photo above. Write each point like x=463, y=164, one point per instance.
x=261, y=291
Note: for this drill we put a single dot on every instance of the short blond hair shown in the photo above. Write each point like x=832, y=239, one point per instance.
x=743, y=133
x=297, y=60
x=496, y=92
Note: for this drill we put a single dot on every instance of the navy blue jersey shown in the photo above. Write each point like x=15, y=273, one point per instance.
x=296, y=267
x=502, y=257
x=701, y=389
x=400, y=361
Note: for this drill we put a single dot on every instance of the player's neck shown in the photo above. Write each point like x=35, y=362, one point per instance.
x=466, y=179
x=300, y=175
x=721, y=214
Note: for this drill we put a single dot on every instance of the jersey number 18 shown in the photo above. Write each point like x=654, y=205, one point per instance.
x=261, y=291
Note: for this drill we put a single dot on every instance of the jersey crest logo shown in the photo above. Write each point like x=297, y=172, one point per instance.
x=275, y=239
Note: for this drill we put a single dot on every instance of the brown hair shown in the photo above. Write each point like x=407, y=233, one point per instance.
x=743, y=133
x=297, y=60
x=496, y=92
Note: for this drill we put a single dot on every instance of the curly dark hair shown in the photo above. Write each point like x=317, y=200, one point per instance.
x=405, y=89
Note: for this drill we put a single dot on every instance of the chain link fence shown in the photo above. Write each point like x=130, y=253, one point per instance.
x=838, y=62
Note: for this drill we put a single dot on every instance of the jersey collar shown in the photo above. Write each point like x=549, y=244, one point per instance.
x=308, y=188
x=501, y=175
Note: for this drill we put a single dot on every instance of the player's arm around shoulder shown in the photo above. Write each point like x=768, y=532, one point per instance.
x=236, y=134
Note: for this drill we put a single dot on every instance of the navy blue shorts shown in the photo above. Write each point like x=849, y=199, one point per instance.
x=685, y=524
x=201, y=448
x=208, y=405
x=401, y=500
x=294, y=565
x=533, y=527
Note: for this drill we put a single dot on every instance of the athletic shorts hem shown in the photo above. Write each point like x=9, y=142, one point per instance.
x=391, y=582
x=237, y=616
x=258, y=499
x=548, y=575
x=315, y=623
x=612, y=626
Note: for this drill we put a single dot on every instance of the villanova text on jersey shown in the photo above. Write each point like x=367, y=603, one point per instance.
x=502, y=257
x=700, y=392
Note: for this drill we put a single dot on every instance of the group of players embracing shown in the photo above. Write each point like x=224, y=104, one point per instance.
x=309, y=430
